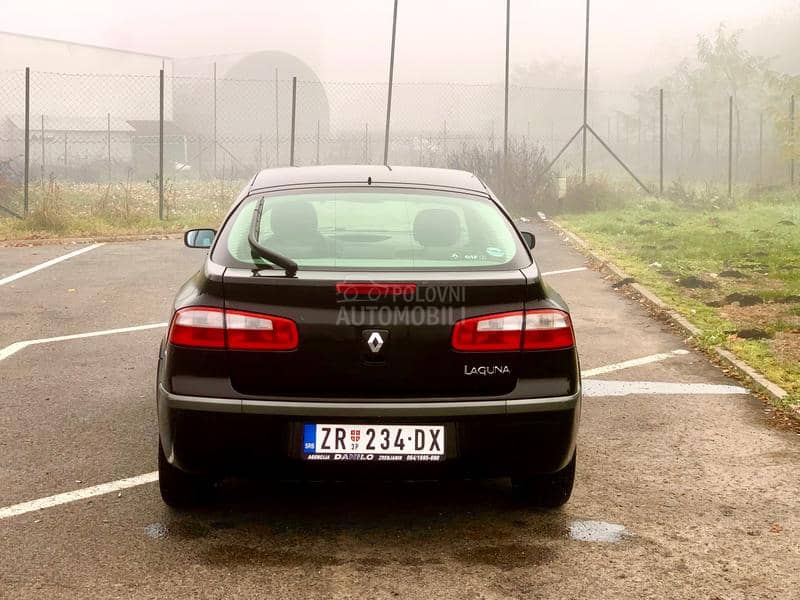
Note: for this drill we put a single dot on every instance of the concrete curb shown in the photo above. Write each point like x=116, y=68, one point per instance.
x=66, y=241
x=745, y=372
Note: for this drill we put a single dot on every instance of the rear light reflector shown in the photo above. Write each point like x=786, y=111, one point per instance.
x=375, y=290
x=250, y=331
x=492, y=333
x=546, y=329
x=204, y=327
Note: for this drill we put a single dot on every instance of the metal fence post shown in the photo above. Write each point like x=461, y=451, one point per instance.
x=661, y=142
x=65, y=155
x=215, y=119
x=317, y=141
x=294, y=107
x=41, y=134
x=730, y=146
x=27, y=138
x=761, y=148
x=791, y=160
x=277, y=128
x=161, y=143
x=108, y=143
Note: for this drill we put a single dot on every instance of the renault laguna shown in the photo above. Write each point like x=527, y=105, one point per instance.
x=367, y=321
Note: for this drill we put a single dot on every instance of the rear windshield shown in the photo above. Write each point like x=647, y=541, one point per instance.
x=375, y=229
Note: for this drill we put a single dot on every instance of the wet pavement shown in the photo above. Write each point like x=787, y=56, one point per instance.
x=681, y=491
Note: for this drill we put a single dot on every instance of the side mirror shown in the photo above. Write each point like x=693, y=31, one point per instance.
x=199, y=238
x=529, y=238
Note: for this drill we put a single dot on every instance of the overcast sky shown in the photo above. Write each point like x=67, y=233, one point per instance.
x=438, y=40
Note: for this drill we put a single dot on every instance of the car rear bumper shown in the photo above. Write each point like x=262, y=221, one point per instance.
x=367, y=408
x=483, y=438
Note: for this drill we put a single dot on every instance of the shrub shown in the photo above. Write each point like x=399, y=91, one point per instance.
x=520, y=181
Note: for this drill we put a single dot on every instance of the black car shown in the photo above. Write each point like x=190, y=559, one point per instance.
x=368, y=320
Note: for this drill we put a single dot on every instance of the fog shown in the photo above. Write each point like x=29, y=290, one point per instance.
x=446, y=40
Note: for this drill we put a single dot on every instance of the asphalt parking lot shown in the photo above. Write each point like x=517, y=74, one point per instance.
x=684, y=488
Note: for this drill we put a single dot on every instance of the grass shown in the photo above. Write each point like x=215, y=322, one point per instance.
x=751, y=248
x=65, y=209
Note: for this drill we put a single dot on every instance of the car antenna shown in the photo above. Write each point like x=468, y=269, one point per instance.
x=289, y=266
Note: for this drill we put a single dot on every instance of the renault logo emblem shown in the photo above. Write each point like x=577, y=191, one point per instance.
x=375, y=342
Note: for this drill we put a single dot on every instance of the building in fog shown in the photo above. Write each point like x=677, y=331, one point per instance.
x=252, y=97
x=226, y=123
x=62, y=145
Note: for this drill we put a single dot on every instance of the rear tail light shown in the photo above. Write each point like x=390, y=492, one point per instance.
x=198, y=327
x=249, y=331
x=492, y=333
x=546, y=329
x=203, y=327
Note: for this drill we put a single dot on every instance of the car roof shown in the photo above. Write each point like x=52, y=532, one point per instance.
x=364, y=174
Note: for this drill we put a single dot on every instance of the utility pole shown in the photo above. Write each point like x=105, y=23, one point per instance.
x=505, y=115
x=391, y=83
x=661, y=142
x=585, y=95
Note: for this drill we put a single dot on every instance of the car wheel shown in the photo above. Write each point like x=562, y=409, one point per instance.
x=547, y=491
x=180, y=489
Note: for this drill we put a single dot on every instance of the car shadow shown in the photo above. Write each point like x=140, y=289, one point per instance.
x=369, y=524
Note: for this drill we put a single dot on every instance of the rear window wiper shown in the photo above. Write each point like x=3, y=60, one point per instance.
x=259, y=251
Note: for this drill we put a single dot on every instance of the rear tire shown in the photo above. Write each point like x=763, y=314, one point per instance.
x=180, y=489
x=547, y=491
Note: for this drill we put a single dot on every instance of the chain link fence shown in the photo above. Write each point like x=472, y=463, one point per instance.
x=98, y=138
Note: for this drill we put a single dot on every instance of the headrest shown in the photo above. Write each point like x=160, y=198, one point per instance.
x=436, y=227
x=294, y=219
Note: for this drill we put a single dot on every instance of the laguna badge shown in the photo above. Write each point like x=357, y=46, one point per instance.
x=487, y=370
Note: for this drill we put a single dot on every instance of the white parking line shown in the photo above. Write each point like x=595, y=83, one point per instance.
x=48, y=263
x=575, y=270
x=17, y=346
x=596, y=388
x=636, y=362
x=75, y=495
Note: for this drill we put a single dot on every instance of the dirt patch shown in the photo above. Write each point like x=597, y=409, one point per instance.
x=743, y=299
x=694, y=283
x=760, y=316
x=508, y=556
x=752, y=334
x=787, y=344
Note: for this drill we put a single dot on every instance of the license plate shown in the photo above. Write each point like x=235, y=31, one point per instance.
x=420, y=443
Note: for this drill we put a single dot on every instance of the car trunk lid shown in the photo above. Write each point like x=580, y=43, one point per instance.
x=374, y=334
